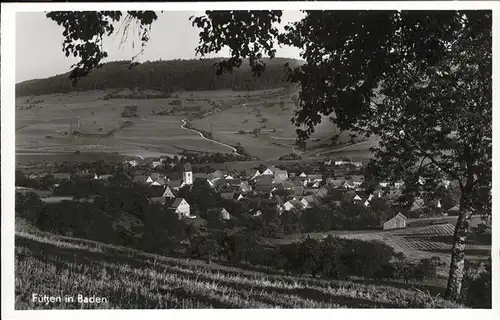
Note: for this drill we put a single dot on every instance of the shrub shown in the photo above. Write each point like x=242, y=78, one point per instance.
x=130, y=112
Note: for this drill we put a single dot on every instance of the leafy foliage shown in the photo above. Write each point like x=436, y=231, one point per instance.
x=84, y=32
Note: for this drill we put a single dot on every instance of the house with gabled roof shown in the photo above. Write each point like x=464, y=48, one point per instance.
x=215, y=175
x=357, y=179
x=264, y=183
x=321, y=193
x=168, y=193
x=314, y=178
x=349, y=184
x=280, y=175
x=245, y=187
x=239, y=196
x=257, y=174
x=175, y=184
x=233, y=182
x=268, y=172
x=142, y=179
x=293, y=205
x=156, y=163
x=160, y=182
x=335, y=183
x=224, y=214
x=180, y=207
x=417, y=204
x=383, y=184
x=309, y=201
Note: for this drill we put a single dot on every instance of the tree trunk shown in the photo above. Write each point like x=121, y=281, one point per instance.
x=457, y=265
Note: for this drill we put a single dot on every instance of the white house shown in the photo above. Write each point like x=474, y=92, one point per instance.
x=187, y=175
x=268, y=172
x=155, y=164
x=181, y=207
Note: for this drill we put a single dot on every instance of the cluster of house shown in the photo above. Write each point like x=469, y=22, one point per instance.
x=272, y=188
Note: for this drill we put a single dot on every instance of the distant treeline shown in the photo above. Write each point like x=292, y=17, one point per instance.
x=164, y=76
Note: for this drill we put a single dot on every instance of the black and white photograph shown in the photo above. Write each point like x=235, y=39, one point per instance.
x=287, y=156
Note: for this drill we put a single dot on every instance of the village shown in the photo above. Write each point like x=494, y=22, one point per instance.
x=281, y=189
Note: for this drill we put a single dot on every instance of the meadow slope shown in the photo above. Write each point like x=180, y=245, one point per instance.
x=57, y=265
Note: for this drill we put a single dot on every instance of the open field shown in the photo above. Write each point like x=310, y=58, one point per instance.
x=133, y=279
x=45, y=127
x=44, y=123
x=417, y=242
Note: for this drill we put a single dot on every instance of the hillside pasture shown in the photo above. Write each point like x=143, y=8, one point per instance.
x=230, y=115
x=271, y=117
x=131, y=279
x=46, y=129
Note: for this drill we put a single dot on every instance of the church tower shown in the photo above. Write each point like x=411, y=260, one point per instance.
x=187, y=175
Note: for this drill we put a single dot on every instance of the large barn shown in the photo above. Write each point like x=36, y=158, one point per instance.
x=396, y=222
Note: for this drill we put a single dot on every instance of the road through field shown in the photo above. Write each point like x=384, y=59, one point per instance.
x=183, y=126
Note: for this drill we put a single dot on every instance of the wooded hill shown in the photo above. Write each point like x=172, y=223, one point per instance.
x=165, y=76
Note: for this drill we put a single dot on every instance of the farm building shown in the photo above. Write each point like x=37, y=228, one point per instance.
x=396, y=222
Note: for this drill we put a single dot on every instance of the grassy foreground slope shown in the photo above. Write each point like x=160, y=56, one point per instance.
x=57, y=265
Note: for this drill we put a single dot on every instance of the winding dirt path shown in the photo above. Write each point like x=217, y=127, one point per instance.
x=183, y=126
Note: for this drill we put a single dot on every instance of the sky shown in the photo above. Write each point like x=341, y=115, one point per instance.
x=39, y=43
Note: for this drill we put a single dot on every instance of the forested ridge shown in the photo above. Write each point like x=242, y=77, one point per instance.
x=165, y=76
